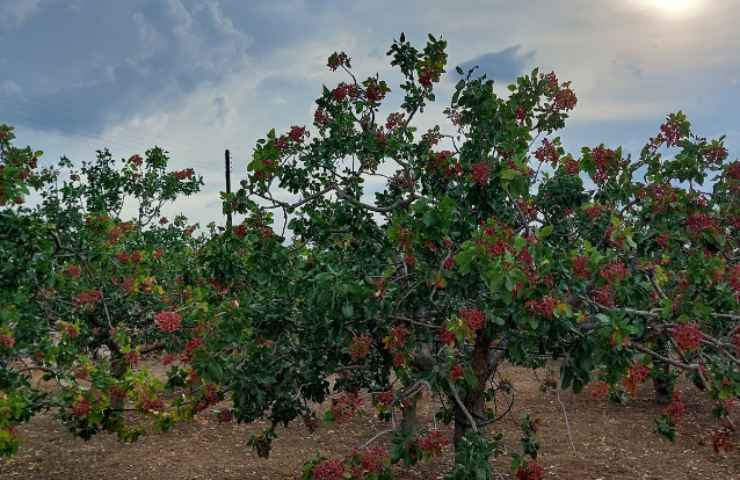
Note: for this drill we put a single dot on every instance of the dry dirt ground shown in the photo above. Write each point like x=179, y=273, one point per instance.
x=611, y=442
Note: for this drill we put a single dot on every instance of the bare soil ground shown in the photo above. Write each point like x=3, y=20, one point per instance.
x=611, y=442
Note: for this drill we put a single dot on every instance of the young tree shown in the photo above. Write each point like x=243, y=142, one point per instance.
x=82, y=282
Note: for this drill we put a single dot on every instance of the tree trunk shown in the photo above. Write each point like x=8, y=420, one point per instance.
x=409, y=420
x=662, y=379
x=474, y=400
x=118, y=370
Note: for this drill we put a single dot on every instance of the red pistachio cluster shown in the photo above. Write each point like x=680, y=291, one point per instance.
x=530, y=471
x=687, y=336
x=360, y=346
x=605, y=161
x=345, y=406
x=473, y=317
x=331, y=469
x=88, y=297
x=456, y=372
x=636, y=375
x=598, y=390
x=544, y=307
x=481, y=173
x=185, y=174
x=168, y=321
x=547, y=153
x=433, y=442
x=73, y=271
x=677, y=408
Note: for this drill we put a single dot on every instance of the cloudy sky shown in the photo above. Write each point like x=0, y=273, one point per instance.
x=199, y=76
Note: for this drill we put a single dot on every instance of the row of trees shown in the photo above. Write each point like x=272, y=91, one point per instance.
x=486, y=242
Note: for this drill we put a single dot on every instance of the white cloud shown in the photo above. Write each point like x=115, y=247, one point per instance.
x=626, y=66
x=17, y=12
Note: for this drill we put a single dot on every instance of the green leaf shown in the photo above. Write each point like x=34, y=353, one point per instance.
x=545, y=231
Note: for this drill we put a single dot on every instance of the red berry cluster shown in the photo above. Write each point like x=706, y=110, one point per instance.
x=426, y=77
x=520, y=113
x=385, y=398
x=700, y=222
x=432, y=443
x=374, y=460
x=545, y=307
x=190, y=347
x=152, y=404
x=473, y=317
x=409, y=260
x=598, y=390
x=446, y=336
x=614, y=272
x=185, y=174
x=331, y=469
x=551, y=80
x=119, y=230
x=338, y=59
x=580, y=267
x=133, y=257
x=565, y=99
x=733, y=170
x=670, y=132
x=7, y=341
x=169, y=359
x=594, y=212
x=677, y=408
x=441, y=163
x=687, y=336
x=722, y=441
x=360, y=346
x=457, y=372
x=571, y=165
x=448, y=263
x=636, y=375
x=117, y=394
x=73, y=271
x=168, y=321
x=604, y=296
x=132, y=358
x=548, y=152
x=394, y=120
x=297, y=134
x=88, y=297
x=321, y=118
x=715, y=154
x=374, y=92
x=604, y=159
x=225, y=415
x=480, y=172
x=81, y=408
x=396, y=340
x=530, y=471
x=345, y=406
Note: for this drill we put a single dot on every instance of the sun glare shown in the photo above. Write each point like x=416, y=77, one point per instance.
x=671, y=8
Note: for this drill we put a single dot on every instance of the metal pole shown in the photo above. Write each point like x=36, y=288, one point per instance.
x=227, y=159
